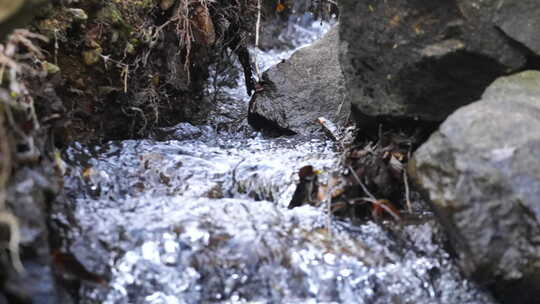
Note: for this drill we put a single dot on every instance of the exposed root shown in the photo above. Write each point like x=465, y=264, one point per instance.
x=188, y=13
x=5, y=160
x=124, y=68
x=359, y=181
x=407, y=191
x=14, y=61
x=6, y=217
x=143, y=116
x=257, y=32
x=11, y=221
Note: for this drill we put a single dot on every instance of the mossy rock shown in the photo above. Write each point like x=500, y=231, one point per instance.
x=78, y=14
x=17, y=13
x=91, y=57
x=50, y=68
x=110, y=14
x=9, y=8
x=166, y=4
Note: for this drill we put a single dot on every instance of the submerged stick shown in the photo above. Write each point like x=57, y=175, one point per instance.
x=407, y=193
x=406, y=182
x=361, y=184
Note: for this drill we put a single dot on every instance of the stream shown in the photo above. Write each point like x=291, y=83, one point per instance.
x=199, y=215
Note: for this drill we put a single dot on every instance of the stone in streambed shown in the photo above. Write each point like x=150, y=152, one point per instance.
x=298, y=91
x=481, y=170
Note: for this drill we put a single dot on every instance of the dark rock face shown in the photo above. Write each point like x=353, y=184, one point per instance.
x=28, y=195
x=482, y=173
x=298, y=91
x=419, y=59
x=520, y=20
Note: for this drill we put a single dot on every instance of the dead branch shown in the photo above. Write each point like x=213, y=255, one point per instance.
x=361, y=184
x=257, y=33
x=14, y=239
x=407, y=193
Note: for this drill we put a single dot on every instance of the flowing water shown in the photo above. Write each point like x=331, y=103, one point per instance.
x=200, y=216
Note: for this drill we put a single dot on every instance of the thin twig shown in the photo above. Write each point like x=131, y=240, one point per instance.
x=56, y=46
x=361, y=184
x=8, y=52
x=125, y=73
x=5, y=161
x=372, y=198
x=406, y=182
x=384, y=206
x=257, y=30
x=14, y=238
x=407, y=194
x=329, y=210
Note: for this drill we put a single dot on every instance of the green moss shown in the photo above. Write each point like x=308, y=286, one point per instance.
x=51, y=68
x=134, y=42
x=91, y=57
x=166, y=4
x=78, y=14
x=145, y=4
x=58, y=21
x=130, y=49
x=104, y=90
x=50, y=27
x=110, y=15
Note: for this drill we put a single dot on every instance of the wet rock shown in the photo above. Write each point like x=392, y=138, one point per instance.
x=29, y=193
x=166, y=4
x=78, y=14
x=51, y=68
x=519, y=20
x=482, y=173
x=183, y=130
x=420, y=59
x=298, y=91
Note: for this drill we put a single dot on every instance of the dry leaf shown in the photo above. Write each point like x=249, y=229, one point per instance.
x=280, y=7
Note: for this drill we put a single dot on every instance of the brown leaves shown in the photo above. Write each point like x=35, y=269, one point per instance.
x=206, y=33
x=280, y=7
x=375, y=183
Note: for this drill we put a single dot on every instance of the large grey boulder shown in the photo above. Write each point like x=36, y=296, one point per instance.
x=299, y=90
x=481, y=170
x=519, y=20
x=419, y=59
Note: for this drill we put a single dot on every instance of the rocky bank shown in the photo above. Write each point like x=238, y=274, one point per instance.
x=94, y=71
